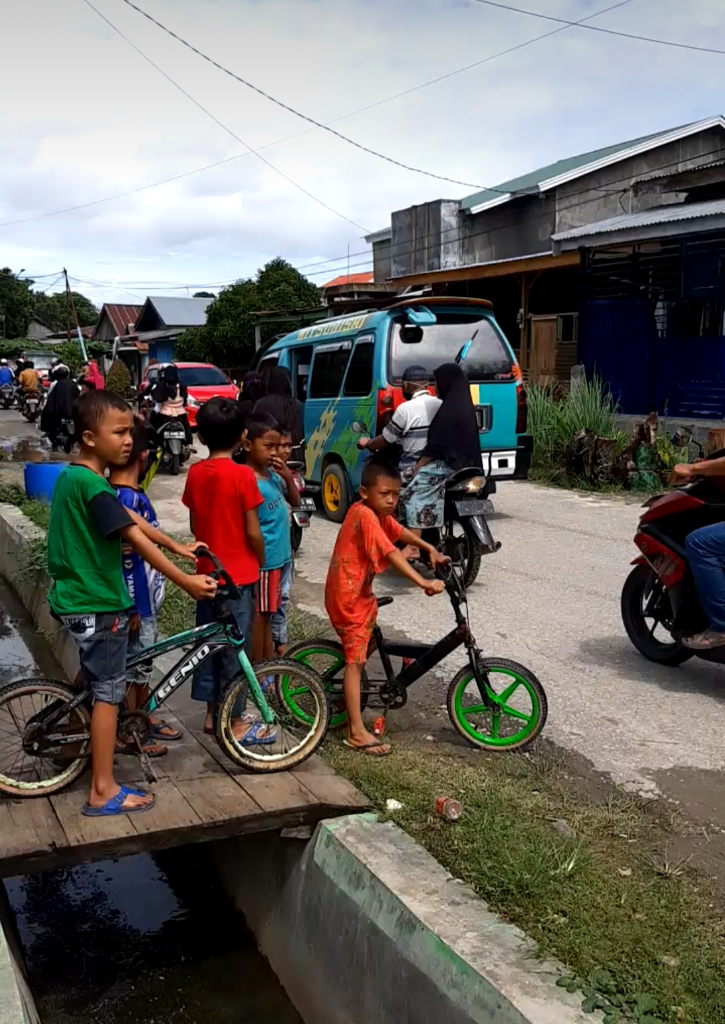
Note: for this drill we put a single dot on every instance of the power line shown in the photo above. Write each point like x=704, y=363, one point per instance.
x=718, y=158
x=229, y=131
x=298, y=113
x=307, y=131
x=597, y=28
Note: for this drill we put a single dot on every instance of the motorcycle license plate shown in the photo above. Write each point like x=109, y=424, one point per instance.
x=175, y=435
x=32, y=402
x=307, y=504
x=474, y=507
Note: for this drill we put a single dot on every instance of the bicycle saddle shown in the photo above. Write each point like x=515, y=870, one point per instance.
x=382, y=601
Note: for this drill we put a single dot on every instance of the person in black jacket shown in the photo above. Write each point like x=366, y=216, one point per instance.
x=280, y=403
x=59, y=405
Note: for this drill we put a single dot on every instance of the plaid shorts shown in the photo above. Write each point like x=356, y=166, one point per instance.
x=269, y=591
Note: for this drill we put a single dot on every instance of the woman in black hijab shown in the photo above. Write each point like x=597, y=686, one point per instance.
x=253, y=388
x=63, y=394
x=453, y=444
x=280, y=403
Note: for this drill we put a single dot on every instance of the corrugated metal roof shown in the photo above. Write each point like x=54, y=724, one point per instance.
x=350, y=279
x=121, y=316
x=647, y=218
x=485, y=263
x=180, y=311
x=566, y=168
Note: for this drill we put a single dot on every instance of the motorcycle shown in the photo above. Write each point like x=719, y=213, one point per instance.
x=67, y=436
x=465, y=536
x=32, y=405
x=7, y=395
x=660, y=604
x=174, y=449
x=300, y=515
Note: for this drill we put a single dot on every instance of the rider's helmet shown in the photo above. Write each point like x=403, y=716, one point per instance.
x=3, y=362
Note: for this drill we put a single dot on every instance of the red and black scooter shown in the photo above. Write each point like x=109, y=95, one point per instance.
x=660, y=604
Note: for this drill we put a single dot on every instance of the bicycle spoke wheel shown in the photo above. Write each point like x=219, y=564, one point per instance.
x=327, y=659
x=298, y=701
x=35, y=760
x=514, y=714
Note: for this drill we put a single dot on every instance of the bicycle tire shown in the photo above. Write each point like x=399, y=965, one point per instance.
x=54, y=784
x=306, y=649
x=522, y=677
x=262, y=758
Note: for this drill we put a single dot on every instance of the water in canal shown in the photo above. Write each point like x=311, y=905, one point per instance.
x=140, y=940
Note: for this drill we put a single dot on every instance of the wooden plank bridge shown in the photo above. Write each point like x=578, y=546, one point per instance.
x=201, y=796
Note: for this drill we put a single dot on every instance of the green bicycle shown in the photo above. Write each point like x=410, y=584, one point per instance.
x=45, y=724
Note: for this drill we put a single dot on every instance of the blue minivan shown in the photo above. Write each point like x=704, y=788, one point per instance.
x=349, y=368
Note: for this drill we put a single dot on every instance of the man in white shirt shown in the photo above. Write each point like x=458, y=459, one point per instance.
x=410, y=422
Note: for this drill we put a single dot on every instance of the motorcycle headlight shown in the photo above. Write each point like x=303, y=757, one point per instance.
x=192, y=402
x=471, y=486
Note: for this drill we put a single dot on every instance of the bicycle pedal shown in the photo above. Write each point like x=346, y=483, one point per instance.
x=149, y=773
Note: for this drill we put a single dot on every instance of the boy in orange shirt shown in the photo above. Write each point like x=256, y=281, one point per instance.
x=365, y=547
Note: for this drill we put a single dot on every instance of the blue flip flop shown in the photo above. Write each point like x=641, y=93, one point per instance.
x=252, y=737
x=115, y=805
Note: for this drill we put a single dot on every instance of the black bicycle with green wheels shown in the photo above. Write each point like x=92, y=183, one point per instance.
x=494, y=703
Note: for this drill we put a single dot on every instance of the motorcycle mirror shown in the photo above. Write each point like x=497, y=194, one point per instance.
x=682, y=437
x=358, y=428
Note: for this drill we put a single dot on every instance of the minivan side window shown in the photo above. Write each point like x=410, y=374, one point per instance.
x=328, y=370
x=359, y=379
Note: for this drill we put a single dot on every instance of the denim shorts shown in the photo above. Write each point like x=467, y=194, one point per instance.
x=212, y=676
x=146, y=636
x=102, y=641
x=278, y=620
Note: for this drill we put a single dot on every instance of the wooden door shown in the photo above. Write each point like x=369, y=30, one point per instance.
x=544, y=333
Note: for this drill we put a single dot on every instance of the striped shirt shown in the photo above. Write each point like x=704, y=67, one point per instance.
x=409, y=427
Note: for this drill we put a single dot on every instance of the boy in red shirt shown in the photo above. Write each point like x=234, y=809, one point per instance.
x=222, y=498
x=366, y=546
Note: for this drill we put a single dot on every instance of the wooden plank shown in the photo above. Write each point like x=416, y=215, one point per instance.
x=218, y=799
x=171, y=812
x=313, y=766
x=29, y=831
x=565, y=259
x=278, y=792
x=336, y=793
x=94, y=834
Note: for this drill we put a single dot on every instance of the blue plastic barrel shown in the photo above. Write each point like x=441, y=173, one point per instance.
x=41, y=478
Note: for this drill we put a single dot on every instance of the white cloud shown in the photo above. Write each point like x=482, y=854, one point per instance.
x=86, y=117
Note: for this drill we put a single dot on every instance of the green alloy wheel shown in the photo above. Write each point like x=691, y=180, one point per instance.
x=327, y=659
x=518, y=711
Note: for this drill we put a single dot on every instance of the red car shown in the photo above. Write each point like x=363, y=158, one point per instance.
x=203, y=381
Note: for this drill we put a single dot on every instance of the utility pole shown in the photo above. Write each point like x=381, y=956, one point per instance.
x=71, y=303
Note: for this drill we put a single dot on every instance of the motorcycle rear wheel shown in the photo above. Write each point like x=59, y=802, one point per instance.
x=638, y=590
x=175, y=465
x=450, y=544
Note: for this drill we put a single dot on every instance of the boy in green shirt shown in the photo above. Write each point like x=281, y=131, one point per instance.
x=89, y=594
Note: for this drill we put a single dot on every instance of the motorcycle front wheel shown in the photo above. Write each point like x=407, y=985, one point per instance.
x=646, y=613
x=463, y=549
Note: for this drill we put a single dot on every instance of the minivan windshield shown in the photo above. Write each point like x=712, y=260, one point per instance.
x=488, y=357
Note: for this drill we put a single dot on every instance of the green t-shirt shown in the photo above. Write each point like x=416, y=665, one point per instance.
x=84, y=545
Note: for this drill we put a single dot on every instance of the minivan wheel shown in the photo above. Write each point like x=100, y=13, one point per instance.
x=335, y=493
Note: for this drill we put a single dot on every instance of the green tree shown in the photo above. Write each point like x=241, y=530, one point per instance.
x=204, y=295
x=228, y=336
x=16, y=305
x=55, y=312
x=118, y=378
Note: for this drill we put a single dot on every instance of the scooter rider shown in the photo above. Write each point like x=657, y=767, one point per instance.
x=706, y=553
x=410, y=422
x=6, y=374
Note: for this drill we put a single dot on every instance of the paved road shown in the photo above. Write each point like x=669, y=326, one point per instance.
x=550, y=599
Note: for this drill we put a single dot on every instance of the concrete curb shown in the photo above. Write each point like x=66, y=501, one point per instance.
x=16, y=533
x=362, y=926
x=16, y=1001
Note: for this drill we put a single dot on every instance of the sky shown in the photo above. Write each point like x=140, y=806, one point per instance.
x=84, y=117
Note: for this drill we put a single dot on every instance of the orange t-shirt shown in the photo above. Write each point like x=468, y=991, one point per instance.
x=361, y=552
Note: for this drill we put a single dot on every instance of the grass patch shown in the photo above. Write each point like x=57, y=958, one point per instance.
x=37, y=511
x=645, y=941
